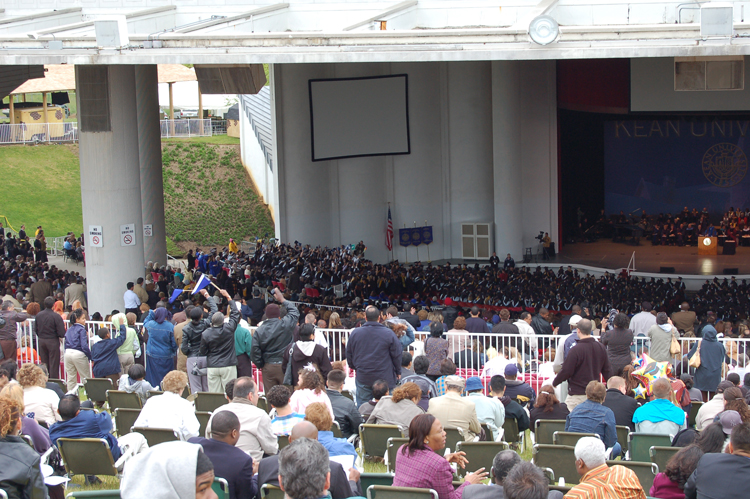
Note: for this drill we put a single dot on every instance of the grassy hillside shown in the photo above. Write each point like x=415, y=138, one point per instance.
x=42, y=186
x=208, y=195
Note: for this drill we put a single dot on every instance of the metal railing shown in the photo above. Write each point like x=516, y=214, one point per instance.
x=186, y=128
x=500, y=350
x=25, y=133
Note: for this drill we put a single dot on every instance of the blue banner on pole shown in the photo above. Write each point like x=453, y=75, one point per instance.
x=416, y=236
x=404, y=237
x=426, y=234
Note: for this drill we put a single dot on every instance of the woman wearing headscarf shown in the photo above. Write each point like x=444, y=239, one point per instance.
x=161, y=346
x=661, y=335
x=713, y=356
x=59, y=309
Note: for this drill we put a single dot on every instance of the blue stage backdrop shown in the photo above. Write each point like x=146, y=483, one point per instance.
x=661, y=166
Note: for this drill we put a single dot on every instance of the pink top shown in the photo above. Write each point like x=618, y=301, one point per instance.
x=664, y=488
x=302, y=398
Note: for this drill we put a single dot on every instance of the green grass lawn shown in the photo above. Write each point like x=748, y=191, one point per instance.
x=43, y=187
x=214, y=139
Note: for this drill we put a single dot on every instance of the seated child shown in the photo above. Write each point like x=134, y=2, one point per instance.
x=133, y=382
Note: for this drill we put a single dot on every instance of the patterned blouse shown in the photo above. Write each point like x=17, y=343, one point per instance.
x=425, y=469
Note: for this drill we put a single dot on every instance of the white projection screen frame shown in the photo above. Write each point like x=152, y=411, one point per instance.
x=355, y=117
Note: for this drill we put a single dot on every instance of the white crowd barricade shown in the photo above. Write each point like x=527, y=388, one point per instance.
x=24, y=133
x=499, y=350
x=186, y=128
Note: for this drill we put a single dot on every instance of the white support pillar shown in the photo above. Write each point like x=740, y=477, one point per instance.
x=149, y=147
x=110, y=180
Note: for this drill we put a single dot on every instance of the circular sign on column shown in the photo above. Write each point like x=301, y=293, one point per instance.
x=127, y=235
x=95, y=240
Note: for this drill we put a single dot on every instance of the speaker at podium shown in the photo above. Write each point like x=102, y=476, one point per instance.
x=708, y=245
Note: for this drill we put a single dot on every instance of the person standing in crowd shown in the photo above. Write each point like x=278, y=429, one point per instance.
x=50, y=329
x=217, y=345
x=713, y=356
x=271, y=338
x=40, y=290
x=161, y=347
x=191, y=343
x=436, y=350
x=586, y=362
x=684, y=320
x=303, y=352
x=104, y=352
x=76, y=292
x=9, y=318
x=257, y=305
x=618, y=342
x=643, y=320
x=374, y=352
x=77, y=352
x=132, y=302
x=131, y=347
x=661, y=335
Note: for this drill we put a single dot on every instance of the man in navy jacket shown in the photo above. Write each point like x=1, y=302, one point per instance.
x=369, y=350
x=83, y=424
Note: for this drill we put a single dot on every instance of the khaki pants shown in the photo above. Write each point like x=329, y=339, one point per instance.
x=573, y=400
x=76, y=363
x=218, y=377
x=126, y=360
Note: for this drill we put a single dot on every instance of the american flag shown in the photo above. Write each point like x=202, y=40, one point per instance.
x=389, y=232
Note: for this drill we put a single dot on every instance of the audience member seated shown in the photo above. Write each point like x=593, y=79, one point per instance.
x=670, y=483
x=398, y=409
x=304, y=472
x=517, y=389
x=41, y=403
x=512, y=408
x=318, y=415
x=284, y=417
x=133, y=382
x=170, y=410
x=503, y=462
x=591, y=416
x=447, y=368
x=713, y=407
x=420, y=462
x=256, y=435
x=174, y=470
x=342, y=486
x=547, y=407
x=379, y=390
x=489, y=410
x=20, y=472
x=425, y=384
x=344, y=409
x=406, y=365
x=660, y=415
x=734, y=401
x=622, y=406
x=83, y=424
x=230, y=463
x=599, y=480
x=687, y=380
x=311, y=389
x=455, y=411
x=39, y=435
x=526, y=481
x=726, y=475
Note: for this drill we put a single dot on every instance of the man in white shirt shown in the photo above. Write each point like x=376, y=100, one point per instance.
x=256, y=436
x=642, y=321
x=170, y=410
x=132, y=302
x=528, y=334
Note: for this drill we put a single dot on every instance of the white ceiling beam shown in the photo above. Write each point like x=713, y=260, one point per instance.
x=33, y=17
x=383, y=14
x=239, y=17
x=86, y=24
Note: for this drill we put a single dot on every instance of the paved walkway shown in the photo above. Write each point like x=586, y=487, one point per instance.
x=70, y=265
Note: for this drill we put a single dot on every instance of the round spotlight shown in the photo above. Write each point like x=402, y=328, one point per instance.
x=543, y=30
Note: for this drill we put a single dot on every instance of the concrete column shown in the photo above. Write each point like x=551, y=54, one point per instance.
x=149, y=148
x=110, y=182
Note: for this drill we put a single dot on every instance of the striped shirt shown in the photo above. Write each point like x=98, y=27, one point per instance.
x=282, y=425
x=604, y=482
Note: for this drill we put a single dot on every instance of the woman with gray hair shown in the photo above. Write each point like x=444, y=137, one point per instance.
x=304, y=469
x=661, y=335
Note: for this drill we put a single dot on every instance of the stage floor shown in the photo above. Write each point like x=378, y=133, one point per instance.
x=685, y=259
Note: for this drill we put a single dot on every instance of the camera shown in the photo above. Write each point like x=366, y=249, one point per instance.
x=540, y=237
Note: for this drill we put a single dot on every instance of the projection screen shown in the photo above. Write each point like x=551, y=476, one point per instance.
x=353, y=117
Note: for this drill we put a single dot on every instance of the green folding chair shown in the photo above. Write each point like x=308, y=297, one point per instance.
x=186, y=392
x=560, y=488
x=209, y=401
x=385, y=492
x=86, y=456
x=374, y=438
x=153, y=393
x=283, y=441
x=125, y=419
x=348, y=394
x=511, y=434
x=268, y=491
x=646, y=472
x=367, y=479
x=63, y=386
x=263, y=404
x=221, y=488
x=336, y=429
x=661, y=455
x=203, y=418
x=156, y=436
x=91, y=494
x=622, y=437
x=695, y=406
x=96, y=388
x=452, y=437
x=392, y=446
x=570, y=437
x=560, y=459
x=117, y=399
x=480, y=454
x=544, y=429
x=640, y=443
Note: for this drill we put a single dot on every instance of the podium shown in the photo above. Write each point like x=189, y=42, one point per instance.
x=708, y=245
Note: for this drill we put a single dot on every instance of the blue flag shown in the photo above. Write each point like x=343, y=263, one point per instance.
x=202, y=283
x=176, y=293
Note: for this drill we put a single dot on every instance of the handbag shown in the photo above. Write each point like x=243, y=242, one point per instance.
x=288, y=372
x=674, y=347
x=695, y=360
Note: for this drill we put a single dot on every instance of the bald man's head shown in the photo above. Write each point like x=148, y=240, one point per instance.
x=303, y=429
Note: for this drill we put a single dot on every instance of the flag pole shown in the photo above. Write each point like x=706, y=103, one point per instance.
x=428, y=247
x=415, y=226
x=406, y=252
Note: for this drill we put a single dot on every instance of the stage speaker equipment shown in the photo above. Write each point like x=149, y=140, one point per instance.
x=543, y=30
x=666, y=270
x=731, y=271
x=729, y=248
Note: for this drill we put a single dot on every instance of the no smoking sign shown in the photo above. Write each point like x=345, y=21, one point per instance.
x=127, y=235
x=96, y=240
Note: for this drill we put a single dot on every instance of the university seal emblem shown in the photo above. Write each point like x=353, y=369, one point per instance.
x=724, y=165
